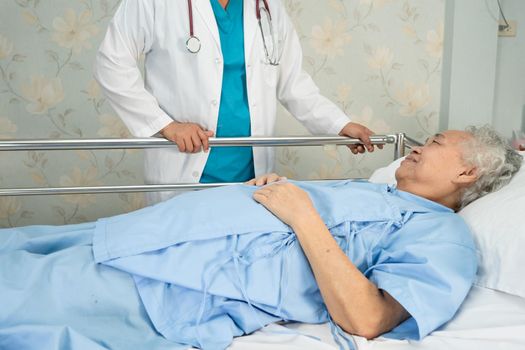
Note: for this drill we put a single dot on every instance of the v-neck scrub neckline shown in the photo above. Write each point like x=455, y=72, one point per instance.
x=226, y=17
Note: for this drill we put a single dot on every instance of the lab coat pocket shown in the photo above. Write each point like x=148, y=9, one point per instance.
x=271, y=74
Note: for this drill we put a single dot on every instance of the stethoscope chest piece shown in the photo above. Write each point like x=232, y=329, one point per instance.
x=193, y=44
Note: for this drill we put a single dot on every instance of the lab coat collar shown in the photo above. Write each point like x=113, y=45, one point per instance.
x=204, y=8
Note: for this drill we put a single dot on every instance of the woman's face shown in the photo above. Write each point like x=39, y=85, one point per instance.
x=435, y=167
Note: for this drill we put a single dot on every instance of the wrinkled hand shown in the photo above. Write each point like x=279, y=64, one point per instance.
x=189, y=137
x=265, y=179
x=362, y=133
x=286, y=201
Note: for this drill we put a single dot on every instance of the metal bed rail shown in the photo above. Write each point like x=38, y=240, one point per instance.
x=400, y=141
x=152, y=142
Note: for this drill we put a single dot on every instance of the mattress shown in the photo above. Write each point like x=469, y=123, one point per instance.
x=488, y=319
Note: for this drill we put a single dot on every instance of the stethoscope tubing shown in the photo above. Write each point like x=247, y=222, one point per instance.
x=196, y=41
x=190, y=16
x=258, y=9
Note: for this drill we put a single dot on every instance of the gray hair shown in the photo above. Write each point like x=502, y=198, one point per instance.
x=494, y=159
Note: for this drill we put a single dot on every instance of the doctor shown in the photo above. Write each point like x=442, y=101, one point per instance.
x=212, y=67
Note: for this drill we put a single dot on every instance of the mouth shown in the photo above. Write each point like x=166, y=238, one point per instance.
x=410, y=158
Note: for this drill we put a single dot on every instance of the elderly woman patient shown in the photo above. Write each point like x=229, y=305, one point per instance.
x=204, y=267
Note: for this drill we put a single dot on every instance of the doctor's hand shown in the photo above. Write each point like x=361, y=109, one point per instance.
x=286, y=201
x=189, y=137
x=362, y=133
x=265, y=179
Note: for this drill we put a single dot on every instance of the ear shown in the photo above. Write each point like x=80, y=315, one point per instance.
x=467, y=176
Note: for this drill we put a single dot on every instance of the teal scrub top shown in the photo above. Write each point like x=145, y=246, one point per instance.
x=231, y=164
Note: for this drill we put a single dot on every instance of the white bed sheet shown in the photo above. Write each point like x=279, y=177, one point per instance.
x=488, y=319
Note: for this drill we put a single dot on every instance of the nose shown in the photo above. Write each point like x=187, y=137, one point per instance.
x=417, y=149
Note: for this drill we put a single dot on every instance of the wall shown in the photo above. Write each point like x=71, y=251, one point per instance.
x=483, y=74
x=509, y=101
x=385, y=71
x=470, y=57
x=379, y=60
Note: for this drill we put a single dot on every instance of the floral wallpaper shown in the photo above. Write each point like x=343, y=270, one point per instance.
x=379, y=60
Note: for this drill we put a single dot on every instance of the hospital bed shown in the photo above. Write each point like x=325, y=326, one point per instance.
x=493, y=315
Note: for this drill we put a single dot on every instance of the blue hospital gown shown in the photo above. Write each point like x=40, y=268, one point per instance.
x=215, y=264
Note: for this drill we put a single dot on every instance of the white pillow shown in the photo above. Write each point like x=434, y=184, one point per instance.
x=497, y=221
x=386, y=175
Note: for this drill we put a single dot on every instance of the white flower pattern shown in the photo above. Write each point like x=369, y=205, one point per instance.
x=112, y=127
x=434, y=44
x=79, y=178
x=382, y=57
x=366, y=117
x=43, y=93
x=74, y=32
x=413, y=98
x=330, y=38
x=7, y=128
x=6, y=47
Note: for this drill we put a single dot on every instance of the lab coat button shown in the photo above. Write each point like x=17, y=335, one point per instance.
x=214, y=102
x=195, y=174
x=217, y=60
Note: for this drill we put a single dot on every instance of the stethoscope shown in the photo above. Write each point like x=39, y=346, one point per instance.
x=193, y=44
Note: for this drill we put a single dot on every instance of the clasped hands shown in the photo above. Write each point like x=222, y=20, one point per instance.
x=288, y=202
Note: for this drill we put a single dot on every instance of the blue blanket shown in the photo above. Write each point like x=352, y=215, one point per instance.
x=207, y=266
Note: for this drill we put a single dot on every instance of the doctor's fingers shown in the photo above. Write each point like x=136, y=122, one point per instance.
x=204, y=140
x=180, y=144
x=188, y=144
x=365, y=138
x=197, y=143
x=369, y=143
x=356, y=149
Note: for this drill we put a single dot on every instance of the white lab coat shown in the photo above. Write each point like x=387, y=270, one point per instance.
x=186, y=87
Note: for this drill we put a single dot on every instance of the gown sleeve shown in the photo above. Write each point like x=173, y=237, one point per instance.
x=429, y=269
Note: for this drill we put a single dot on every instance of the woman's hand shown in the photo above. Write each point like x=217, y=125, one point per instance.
x=286, y=201
x=265, y=179
x=189, y=137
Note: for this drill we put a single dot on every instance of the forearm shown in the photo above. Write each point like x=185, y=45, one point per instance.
x=354, y=302
x=124, y=88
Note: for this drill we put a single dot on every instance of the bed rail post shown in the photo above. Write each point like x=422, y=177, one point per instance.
x=399, y=147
